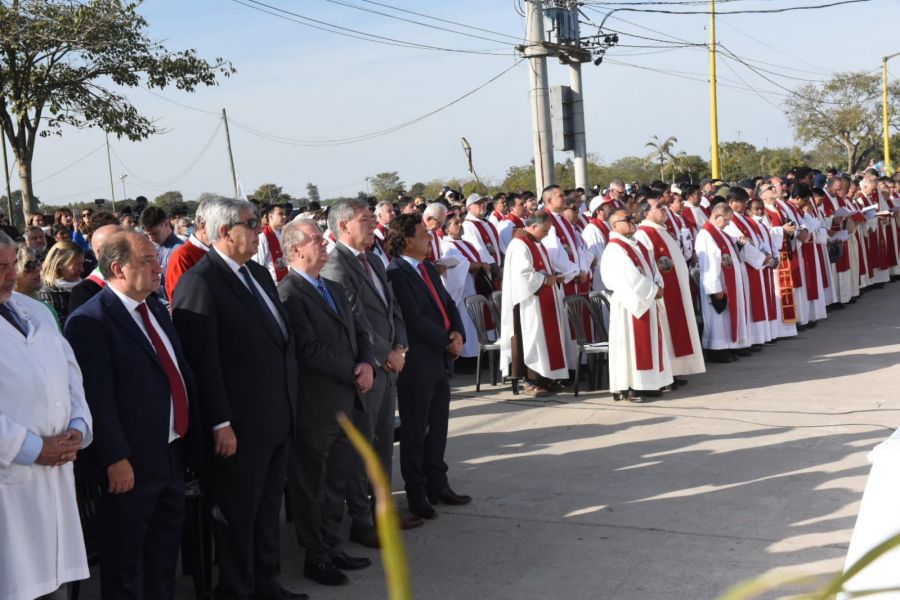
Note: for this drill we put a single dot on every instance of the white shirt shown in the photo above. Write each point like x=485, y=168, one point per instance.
x=131, y=306
x=271, y=305
x=369, y=271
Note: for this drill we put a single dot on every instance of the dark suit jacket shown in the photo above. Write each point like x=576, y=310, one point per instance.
x=427, y=358
x=126, y=387
x=328, y=349
x=81, y=293
x=382, y=316
x=246, y=368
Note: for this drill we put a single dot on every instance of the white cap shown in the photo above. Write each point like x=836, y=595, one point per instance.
x=675, y=189
x=596, y=202
x=474, y=199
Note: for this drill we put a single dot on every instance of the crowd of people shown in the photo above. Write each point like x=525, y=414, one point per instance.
x=149, y=345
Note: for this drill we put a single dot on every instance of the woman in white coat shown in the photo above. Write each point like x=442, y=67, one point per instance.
x=41, y=397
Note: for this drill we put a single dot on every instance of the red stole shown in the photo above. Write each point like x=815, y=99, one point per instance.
x=688, y=216
x=673, y=226
x=489, y=236
x=725, y=248
x=757, y=304
x=566, y=234
x=277, y=255
x=434, y=248
x=829, y=207
x=516, y=221
x=466, y=249
x=675, y=308
x=581, y=223
x=547, y=302
x=809, y=260
x=97, y=279
x=643, y=341
x=602, y=226
x=766, y=238
x=785, y=271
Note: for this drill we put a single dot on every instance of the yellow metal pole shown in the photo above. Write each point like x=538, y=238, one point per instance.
x=713, y=102
x=884, y=114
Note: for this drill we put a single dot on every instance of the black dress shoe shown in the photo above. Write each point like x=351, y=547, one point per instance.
x=345, y=562
x=365, y=536
x=422, y=509
x=325, y=573
x=743, y=352
x=636, y=397
x=718, y=356
x=411, y=522
x=280, y=594
x=448, y=496
x=680, y=381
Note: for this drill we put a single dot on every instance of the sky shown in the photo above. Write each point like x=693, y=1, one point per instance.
x=294, y=82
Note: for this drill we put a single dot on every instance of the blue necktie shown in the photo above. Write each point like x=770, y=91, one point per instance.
x=320, y=285
x=245, y=272
x=10, y=315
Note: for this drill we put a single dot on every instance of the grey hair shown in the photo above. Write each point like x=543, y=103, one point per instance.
x=381, y=205
x=292, y=235
x=6, y=241
x=344, y=210
x=617, y=182
x=227, y=212
x=23, y=255
x=538, y=217
x=436, y=211
x=202, y=208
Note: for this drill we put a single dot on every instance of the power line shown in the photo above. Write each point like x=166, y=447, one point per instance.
x=70, y=165
x=758, y=11
x=414, y=22
x=441, y=20
x=371, y=135
x=351, y=33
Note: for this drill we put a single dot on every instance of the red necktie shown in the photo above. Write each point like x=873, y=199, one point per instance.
x=176, y=384
x=434, y=295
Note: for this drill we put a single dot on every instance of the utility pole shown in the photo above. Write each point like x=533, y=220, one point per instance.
x=122, y=178
x=9, y=202
x=888, y=169
x=578, y=138
x=230, y=155
x=713, y=102
x=112, y=187
x=536, y=54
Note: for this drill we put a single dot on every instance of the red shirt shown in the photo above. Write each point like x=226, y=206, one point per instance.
x=183, y=258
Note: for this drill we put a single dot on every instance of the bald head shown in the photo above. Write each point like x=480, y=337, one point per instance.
x=101, y=235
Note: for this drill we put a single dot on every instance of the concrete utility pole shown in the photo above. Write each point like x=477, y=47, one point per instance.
x=884, y=113
x=579, y=141
x=536, y=54
x=230, y=155
x=112, y=187
x=9, y=202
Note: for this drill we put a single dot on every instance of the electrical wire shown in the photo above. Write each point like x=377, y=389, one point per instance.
x=371, y=135
x=181, y=174
x=441, y=20
x=70, y=165
x=352, y=33
x=758, y=11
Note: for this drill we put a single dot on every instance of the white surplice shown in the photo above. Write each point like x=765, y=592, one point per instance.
x=717, y=327
x=633, y=295
x=460, y=284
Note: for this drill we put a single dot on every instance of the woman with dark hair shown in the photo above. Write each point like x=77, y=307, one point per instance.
x=60, y=233
x=60, y=273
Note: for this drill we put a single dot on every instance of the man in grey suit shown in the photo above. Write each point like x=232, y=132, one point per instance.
x=363, y=277
x=336, y=369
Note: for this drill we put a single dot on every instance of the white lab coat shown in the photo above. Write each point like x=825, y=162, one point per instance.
x=41, y=543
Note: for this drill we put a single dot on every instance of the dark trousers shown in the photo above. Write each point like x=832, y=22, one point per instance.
x=377, y=424
x=320, y=462
x=140, y=535
x=247, y=490
x=424, y=416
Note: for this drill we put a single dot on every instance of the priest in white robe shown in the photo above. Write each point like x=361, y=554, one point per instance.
x=533, y=327
x=774, y=238
x=680, y=324
x=44, y=421
x=640, y=362
x=596, y=236
x=721, y=289
x=460, y=279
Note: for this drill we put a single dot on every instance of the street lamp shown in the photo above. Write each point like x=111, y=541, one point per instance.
x=367, y=186
x=884, y=113
x=124, y=195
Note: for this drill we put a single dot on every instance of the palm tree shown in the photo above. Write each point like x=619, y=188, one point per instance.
x=661, y=152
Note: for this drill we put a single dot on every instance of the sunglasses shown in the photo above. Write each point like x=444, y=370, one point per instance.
x=32, y=265
x=251, y=223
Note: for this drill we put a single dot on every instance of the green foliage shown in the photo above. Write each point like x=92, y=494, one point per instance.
x=661, y=154
x=167, y=200
x=17, y=218
x=312, y=192
x=844, y=111
x=269, y=193
x=386, y=186
x=62, y=60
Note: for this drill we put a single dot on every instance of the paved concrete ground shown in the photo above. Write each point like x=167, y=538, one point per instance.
x=755, y=466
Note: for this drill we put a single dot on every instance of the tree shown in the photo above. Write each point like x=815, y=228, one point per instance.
x=167, y=200
x=661, y=153
x=312, y=191
x=17, y=219
x=59, y=62
x=844, y=110
x=269, y=193
x=386, y=186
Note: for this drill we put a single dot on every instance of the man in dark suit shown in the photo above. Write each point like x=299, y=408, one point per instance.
x=336, y=366
x=435, y=335
x=91, y=285
x=143, y=399
x=237, y=341
x=363, y=277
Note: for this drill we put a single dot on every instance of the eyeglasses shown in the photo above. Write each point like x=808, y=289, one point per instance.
x=32, y=265
x=625, y=220
x=251, y=223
